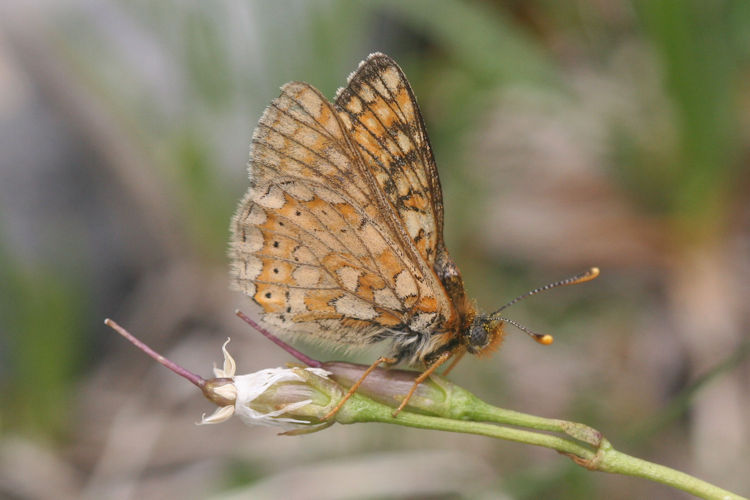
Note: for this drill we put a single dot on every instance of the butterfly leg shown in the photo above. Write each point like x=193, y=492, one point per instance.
x=453, y=363
x=353, y=389
x=442, y=359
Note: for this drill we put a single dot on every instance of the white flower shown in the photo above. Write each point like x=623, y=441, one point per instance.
x=251, y=388
x=280, y=397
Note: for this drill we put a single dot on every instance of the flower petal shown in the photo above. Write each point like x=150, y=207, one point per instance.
x=250, y=386
x=220, y=415
x=230, y=367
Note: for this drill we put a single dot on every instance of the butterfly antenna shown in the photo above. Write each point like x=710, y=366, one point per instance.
x=573, y=280
x=542, y=338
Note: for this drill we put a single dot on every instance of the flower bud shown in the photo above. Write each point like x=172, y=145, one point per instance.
x=389, y=386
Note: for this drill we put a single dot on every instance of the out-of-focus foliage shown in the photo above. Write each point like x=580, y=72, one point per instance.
x=567, y=134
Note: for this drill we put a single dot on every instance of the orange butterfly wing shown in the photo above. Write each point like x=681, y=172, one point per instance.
x=381, y=114
x=315, y=242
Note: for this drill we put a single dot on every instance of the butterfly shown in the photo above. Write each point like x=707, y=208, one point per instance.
x=340, y=235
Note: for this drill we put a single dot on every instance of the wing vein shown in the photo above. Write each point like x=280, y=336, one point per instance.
x=362, y=265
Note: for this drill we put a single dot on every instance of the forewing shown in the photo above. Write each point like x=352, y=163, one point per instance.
x=380, y=112
x=310, y=243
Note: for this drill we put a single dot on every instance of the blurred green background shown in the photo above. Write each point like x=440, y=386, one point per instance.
x=567, y=135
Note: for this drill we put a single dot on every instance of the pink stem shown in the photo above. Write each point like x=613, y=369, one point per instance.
x=273, y=338
x=197, y=380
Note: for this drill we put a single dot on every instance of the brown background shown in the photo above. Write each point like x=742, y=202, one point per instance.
x=566, y=134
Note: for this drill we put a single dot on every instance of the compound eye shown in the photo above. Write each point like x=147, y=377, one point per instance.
x=478, y=336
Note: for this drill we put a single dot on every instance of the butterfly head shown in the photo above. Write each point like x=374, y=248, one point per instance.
x=485, y=335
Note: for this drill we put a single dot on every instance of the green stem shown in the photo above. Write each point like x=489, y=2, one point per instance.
x=361, y=409
x=607, y=458
x=588, y=448
x=478, y=410
x=459, y=404
x=610, y=460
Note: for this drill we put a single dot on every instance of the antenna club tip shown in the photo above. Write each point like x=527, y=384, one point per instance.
x=107, y=321
x=546, y=339
x=587, y=276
